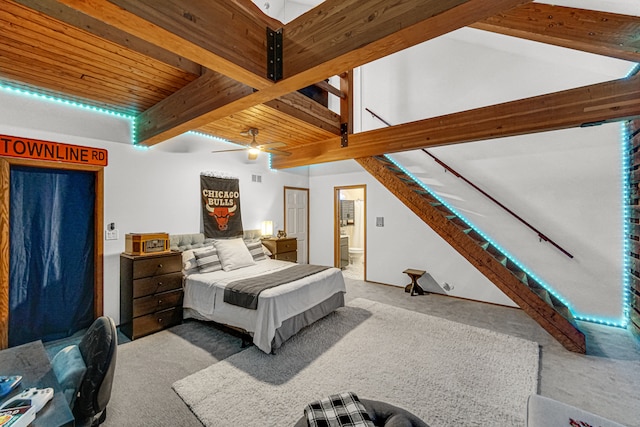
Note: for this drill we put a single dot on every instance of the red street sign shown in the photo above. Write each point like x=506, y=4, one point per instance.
x=25, y=148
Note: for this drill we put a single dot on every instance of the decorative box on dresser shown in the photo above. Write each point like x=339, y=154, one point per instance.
x=150, y=293
x=284, y=249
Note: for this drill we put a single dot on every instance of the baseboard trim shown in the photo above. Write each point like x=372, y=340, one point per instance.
x=448, y=296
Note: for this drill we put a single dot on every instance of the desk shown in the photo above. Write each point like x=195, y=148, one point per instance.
x=31, y=361
x=414, y=286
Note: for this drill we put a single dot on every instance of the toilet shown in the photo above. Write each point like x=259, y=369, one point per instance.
x=355, y=255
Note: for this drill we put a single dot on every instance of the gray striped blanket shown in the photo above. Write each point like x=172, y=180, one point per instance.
x=245, y=292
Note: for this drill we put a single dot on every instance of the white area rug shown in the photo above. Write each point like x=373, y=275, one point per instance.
x=447, y=373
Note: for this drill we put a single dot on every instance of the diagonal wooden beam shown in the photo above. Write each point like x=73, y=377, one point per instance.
x=414, y=21
x=336, y=36
x=544, y=314
x=177, y=111
x=609, y=101
x=227, y=36
x=592, y=31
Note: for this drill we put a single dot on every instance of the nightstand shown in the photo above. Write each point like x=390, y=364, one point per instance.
x=150, y=293
x=285, y=249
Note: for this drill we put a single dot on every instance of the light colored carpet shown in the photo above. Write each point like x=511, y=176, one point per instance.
x=147, y=366
x=445, y=372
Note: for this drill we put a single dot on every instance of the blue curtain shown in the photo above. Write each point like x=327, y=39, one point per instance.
x=51, y=265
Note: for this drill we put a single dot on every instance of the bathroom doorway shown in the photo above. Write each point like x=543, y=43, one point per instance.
x=350, y=225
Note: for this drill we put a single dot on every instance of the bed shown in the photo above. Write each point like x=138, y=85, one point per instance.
x=281, y=311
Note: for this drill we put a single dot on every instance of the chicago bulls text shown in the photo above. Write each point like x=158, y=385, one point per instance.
x=220, y=198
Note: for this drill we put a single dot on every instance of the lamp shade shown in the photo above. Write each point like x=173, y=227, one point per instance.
x=267, y=228
x=253, y=153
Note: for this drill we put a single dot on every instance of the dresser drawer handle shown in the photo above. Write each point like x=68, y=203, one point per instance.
x=159, y=301
x=159, y=265
x=159, y=319
x=159, y=284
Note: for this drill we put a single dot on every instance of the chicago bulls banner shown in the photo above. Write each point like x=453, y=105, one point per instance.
x=220, y=206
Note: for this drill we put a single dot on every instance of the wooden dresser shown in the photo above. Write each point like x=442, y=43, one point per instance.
x=285, y=249
x=150, y=293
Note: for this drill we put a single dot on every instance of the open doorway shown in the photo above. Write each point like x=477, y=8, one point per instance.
x=350, y=208
x=63, y=276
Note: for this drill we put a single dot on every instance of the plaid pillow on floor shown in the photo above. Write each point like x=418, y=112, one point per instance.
x=338, y=410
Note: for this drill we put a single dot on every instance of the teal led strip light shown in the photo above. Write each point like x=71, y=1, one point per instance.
x=609, y=322
x=15, y=90
x=217, y=138
x=626, y=248
x=626, y=212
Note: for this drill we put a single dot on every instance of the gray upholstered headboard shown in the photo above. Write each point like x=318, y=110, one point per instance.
x=182, y=242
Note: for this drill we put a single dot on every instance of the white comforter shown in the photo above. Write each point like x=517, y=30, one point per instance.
x=204, y=293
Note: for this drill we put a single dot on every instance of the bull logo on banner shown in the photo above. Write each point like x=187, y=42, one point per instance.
x=221, y=207
x=222, y=216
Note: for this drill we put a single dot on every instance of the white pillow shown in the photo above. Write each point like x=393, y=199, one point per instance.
x=233, y=254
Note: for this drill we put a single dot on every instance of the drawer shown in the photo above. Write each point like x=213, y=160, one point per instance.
x=286, y=245
x=157, y=265
x=157, y=302
x=287, y=256
x=154, y=322
x=156, y=284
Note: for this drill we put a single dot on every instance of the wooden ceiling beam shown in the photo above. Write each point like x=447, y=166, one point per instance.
x=602, y=33
x=227, y=36
x=328, y=87
x=98, y=28
x=374, y=21
x=306, y=109
x=346, y=103
x=223, y=36
x=178, y=112
x=339, y=35
x=603, y=102
x=174, y=115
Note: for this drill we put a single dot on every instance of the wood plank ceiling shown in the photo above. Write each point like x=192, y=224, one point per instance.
x=179, y=65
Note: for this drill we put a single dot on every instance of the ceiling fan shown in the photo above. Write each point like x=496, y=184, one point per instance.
x=254, y=148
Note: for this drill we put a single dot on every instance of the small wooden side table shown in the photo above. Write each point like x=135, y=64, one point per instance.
x=414, y=286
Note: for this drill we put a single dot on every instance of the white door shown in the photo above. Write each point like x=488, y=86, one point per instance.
x=296, y=219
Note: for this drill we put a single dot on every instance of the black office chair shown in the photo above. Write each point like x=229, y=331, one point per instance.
x=98, y=348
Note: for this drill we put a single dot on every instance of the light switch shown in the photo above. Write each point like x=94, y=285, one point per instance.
x=379, y=221
x=111, y=235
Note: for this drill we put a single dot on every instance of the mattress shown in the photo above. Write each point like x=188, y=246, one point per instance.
x=204, y=293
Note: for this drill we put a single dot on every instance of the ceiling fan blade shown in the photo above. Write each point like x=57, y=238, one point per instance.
x=233, y=149
x=272, y=145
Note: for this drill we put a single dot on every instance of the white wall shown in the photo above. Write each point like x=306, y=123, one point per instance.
x=148, y=190
x=566, y=183
x=404, y=241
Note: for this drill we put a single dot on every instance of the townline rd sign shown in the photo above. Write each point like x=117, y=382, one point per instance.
x=12, y=146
